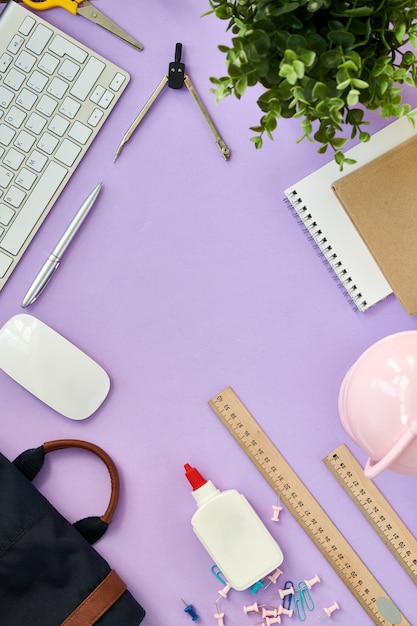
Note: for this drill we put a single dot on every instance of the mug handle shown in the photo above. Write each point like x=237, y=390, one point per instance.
x=373, y=469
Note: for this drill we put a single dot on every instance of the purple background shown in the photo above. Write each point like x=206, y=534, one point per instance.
x=191, y=275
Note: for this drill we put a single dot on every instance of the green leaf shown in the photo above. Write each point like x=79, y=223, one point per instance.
x=342, y=38
x=331, y=58
x=257, y=141
x=241, y=85
x=353, y=97
x=359, y=84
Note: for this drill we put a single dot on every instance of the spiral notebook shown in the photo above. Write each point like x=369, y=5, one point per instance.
x=330, y=228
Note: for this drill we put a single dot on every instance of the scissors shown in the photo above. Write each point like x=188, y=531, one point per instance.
x=86, y=9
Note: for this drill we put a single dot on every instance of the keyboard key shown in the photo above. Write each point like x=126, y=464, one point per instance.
x=25, y=178
x=35, y=123
x=47, y=143
x=5, y=263
x=117, y=81
x=58, y=125
x=14, y=79
x=14, y=196
x=97, y=94
x=68, y=70
x=6, y=134
x=15, y=117
x=26, y=99
x=27, y=25
x=37, y=81
x=37, y=161
x=24, y=141
x=6, y=177
x=106, y=100
x=13, y=159
x=48, y=63
x=57, y=87
x=6, y=96
x=6, y=214
x=39, y=39
x=95, y=117
x=46, y=105
x=80, y=132
x=87, y=79
x=61, y=47
x=15, y=44
x=25, y=61
x=32, y=210
x=69, y=107
x=5, y=61
x=67, y=152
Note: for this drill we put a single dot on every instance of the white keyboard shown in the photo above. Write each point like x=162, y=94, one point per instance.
x=55, y=95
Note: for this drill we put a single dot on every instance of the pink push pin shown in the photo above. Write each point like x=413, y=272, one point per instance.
x=251, y=608
x=272, y=620
x=219, y=618
x=274, y=576
x=269, y=613
x=330, y=609
x=286, y=592
x=312, y=581
x=223, y=592
x=276, y=511
x=283, y=611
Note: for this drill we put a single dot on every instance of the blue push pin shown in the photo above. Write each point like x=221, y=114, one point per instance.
x=190, y=610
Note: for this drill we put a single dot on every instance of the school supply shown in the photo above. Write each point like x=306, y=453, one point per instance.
x=55, y=96
x=175, y=78
x=86, y=9
x=53, y=261
x=50, y=574
x=332, y=231
x=375, y=508
x=51, y=368
x=232, y=533
x=379, y=198
x=306, y=510
x=376, y=404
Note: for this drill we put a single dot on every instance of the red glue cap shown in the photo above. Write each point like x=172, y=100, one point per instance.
x=195, y=478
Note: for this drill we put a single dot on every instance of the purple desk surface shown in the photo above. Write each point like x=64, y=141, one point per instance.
x=191, y=275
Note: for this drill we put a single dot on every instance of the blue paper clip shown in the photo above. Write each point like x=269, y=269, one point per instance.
x=302, y=600
x=218, y=574
x=287, y=600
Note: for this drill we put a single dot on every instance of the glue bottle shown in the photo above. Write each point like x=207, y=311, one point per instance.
x=232, y=533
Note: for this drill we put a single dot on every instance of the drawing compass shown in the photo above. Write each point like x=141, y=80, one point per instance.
x=175, y=79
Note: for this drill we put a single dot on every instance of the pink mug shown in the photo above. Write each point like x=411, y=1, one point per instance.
x=378, y=404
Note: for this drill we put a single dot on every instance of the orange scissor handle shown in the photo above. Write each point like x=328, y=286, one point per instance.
x=43, y=5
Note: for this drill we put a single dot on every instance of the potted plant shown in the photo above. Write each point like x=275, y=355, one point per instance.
x=323, y=61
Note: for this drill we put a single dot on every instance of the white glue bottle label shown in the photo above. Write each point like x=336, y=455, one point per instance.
x=232, y=533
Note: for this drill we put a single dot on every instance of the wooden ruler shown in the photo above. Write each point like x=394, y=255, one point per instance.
x=306, y=510
x=375, y=508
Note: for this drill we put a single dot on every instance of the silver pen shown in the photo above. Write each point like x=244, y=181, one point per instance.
x=51, y=264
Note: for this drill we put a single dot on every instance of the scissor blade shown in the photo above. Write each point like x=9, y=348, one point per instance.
x=86, y=9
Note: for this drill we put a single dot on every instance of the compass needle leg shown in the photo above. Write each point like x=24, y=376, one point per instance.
x=220, y=143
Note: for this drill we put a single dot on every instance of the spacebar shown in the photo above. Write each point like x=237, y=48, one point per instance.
x=36, y=204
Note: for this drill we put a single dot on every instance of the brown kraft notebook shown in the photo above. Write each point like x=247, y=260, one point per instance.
x=381, y=200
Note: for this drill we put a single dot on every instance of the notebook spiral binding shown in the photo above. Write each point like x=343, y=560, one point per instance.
x=325, y=251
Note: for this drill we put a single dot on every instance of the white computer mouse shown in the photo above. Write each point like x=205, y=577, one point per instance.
x=51, y=367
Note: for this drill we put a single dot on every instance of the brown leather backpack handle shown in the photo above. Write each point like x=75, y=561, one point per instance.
x=60, y=444
x=30, y=462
